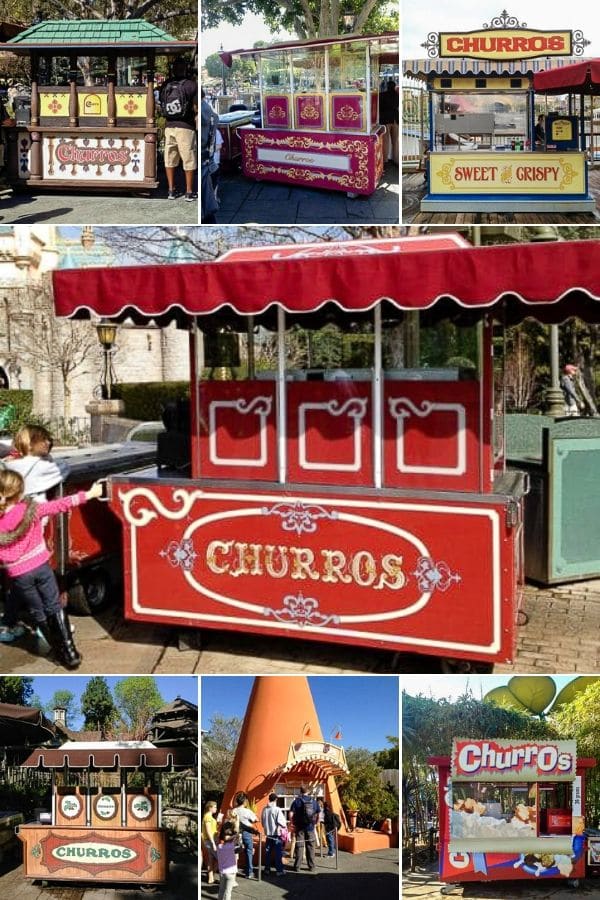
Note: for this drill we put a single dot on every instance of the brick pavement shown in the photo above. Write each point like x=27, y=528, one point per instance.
x=562, y=634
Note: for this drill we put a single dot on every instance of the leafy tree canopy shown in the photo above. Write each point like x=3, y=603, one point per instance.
x=98, y=706
x=305, y=18
x=137, y=699
x=364, y=790
x=218, y=749
x=16, y=689
x=390, y=757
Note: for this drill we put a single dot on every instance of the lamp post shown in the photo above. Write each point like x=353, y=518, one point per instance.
x=224, y=83
x=107, y=332
x=553, y=395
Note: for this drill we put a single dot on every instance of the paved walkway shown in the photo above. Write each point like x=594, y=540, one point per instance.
x=99, y=207
x=243, y=200
x=182, y=885
x=424, y=883
x=359, y=876
x=561, y=635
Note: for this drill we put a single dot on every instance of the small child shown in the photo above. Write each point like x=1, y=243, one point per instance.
x=30, y=457
x=227, y=860
x=24, y=555
x=33, y=444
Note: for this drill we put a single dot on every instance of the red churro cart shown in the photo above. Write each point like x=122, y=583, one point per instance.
x=106, y=820
x=355, y=491
x=319, y=103
x=512, y=810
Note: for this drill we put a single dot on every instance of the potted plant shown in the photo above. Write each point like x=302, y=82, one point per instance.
x=351, y=805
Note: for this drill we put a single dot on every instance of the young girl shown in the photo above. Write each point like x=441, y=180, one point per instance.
x=30, y=457
x=24, y=555
x=226, y=855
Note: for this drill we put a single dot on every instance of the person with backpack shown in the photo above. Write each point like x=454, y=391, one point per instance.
x=209, y=134
x=247, y=819
x=179, y=103
x=304, y=809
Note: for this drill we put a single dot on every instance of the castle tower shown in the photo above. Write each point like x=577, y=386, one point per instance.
x=281, y=747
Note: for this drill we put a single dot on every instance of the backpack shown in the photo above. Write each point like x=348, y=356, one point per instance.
x=174, y=100
x=208, y=131
x=304, y=812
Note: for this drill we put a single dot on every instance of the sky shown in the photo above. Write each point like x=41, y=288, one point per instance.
x=419, y=17
x=170, y=687
x=452, y=686
x=237, y=37
x=365, y=708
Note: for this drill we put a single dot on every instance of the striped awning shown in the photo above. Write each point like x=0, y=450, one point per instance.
x=422, y=68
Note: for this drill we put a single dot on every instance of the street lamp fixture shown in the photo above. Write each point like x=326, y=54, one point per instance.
x=107, y=332
x=224, y=83
x=349, y=20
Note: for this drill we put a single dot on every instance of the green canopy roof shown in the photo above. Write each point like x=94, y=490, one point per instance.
x=92, y=32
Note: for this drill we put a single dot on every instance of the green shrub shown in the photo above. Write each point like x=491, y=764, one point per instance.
x=145, y=401
x=20, y=414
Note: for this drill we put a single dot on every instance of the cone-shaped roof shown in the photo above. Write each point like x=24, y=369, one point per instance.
x=280, y=712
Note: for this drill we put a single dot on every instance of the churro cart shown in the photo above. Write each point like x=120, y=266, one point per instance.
x=319, y=101
x=483, y=154
x=106, y=820
x=347, y=483
x=92, y=116
x=512, y=810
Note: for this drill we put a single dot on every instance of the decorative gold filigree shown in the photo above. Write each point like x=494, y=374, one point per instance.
x=310, y=112
x=569, y=173
x=506, y=174
x=277, y=112
x=347, y=114
x=445, y=173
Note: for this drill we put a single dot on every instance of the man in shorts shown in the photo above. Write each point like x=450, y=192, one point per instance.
x=179, y=101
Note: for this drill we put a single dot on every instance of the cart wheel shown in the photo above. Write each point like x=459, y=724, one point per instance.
x=573, y=882
x=92, y=593
x=351, y=196
x=522, y=617
x=464, y=667
x=149, y=888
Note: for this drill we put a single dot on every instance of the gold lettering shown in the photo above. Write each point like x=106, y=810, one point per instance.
x=392, y=566
x=213, y=548
x=269, y=561
x=302, y=561
x=364, y=570
x=334, y=563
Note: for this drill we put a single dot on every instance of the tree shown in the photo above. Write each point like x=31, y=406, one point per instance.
x=137, y=700
x=66, y=700
x=16, y=689
x=390, y=757
x=305, y=18
x=218, y=749
x=97, y=705
x=181, y=16
x=364, y=790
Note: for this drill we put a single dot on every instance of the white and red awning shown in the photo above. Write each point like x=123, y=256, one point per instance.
x=550, y=281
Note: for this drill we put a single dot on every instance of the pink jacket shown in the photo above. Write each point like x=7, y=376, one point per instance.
x=30, y=551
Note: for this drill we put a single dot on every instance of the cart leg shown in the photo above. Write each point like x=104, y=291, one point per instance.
x=464, y=666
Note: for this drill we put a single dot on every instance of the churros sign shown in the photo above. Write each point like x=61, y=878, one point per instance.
x=69, y=153
x=479, y=760
x=501, y=44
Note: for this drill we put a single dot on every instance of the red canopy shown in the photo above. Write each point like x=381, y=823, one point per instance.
x=551, y=281
x=578, y=78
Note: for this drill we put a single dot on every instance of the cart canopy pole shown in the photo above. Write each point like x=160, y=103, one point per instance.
x=281, y=398
x=377, y=401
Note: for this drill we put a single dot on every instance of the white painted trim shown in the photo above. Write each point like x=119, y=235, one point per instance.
x=355, y=408
x=243, y=407
x=425, y=409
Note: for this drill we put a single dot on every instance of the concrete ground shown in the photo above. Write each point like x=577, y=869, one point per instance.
x=243, y=200
x=559, y=636
x=98, y=207
x=359, y=876
x=424, y=883
x=182, y=885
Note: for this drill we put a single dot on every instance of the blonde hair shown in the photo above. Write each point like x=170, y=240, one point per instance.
x=28, y=436
x=12, y=488
x=209, y=804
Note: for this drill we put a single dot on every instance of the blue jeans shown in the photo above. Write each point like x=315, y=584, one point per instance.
x=275, y=846
x=38, y=592
x=330, y=841
x=249, y=848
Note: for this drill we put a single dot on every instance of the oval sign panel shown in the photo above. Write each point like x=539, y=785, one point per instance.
x=94, y=853
x=141, y=807
x=310, y=564
x=106, y=807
